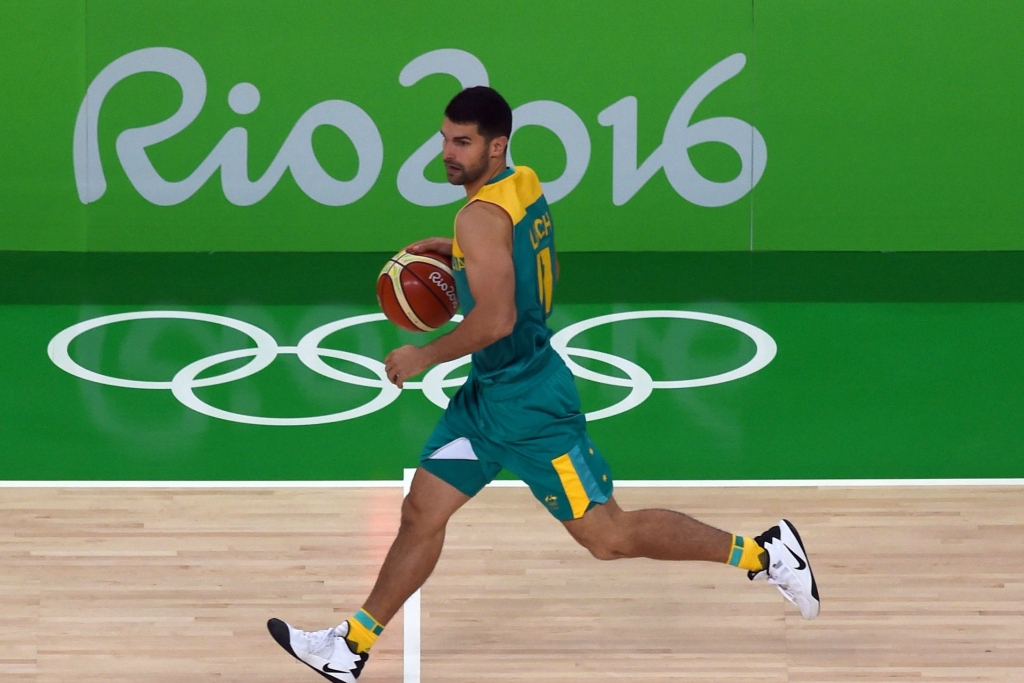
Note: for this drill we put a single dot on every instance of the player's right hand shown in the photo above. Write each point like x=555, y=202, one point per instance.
x=442, y=245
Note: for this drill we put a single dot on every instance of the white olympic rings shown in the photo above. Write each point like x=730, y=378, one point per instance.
x=433, y=384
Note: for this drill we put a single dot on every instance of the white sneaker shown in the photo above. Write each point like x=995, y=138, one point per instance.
x=327, y=652
x=788, y=568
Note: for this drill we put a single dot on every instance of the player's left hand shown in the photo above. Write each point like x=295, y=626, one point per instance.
x=405, y=362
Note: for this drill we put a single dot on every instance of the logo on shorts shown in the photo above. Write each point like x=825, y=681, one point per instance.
x=551, y=502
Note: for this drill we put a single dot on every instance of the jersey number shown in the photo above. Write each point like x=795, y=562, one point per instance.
x=545, y=278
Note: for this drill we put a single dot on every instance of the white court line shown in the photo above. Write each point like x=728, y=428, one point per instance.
x=210, y=484
x=784, y=483
x=502, y=483
x=411, y=621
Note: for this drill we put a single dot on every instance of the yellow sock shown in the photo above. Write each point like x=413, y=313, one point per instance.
x=747, y=554
x=363, y=630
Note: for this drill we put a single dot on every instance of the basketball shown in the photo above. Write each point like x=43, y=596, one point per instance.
x=417, y=291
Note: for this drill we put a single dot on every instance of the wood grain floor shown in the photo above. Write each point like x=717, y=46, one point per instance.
x=920, y=584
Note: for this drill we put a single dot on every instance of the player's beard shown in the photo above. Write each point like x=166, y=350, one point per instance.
x=464, y=175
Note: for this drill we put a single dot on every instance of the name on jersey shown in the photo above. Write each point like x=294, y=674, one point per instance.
x=541, y=229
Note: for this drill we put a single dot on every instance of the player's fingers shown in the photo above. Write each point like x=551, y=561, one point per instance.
x=391, y=370
x=428, y=244
x=420, y=246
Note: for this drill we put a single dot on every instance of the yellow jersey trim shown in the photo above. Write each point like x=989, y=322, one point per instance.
x=514, y=193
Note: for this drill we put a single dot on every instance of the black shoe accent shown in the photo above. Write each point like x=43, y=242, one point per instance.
x=362, y=658
x=814, y=584
x=773, y=534
x=279, y=632
x=356, y=672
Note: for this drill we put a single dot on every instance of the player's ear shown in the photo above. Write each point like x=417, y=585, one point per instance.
x=499, y=146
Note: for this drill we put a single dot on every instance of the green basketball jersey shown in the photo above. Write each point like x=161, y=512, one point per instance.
x=519, y=409
x=526, y=351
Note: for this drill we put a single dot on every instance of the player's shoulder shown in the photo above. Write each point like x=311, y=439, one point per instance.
x=526, y=174
x=527, y=184
x=482, y=212
x=514, y=191
x=480, y=223
x=529, y=175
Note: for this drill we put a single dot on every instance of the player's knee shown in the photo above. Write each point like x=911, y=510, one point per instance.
x=605, y=545
x=606, y=552
x=604, y=531
x=420, y=518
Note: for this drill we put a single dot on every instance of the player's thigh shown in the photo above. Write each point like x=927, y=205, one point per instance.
x=567, y=474
x=450, y=457
x=431, y=501
x=548, y=446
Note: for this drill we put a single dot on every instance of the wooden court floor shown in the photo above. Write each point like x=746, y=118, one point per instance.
x=918, y=584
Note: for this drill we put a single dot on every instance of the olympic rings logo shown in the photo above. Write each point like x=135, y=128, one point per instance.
x=311, y=354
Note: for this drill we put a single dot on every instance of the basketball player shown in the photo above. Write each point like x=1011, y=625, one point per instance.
x=517, y=410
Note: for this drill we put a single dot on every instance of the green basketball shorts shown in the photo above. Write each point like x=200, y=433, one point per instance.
x=533, y=429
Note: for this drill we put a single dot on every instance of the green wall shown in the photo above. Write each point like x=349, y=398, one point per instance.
x=885, y=125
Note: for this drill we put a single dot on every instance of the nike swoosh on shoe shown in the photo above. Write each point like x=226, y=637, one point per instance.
x=800, y=564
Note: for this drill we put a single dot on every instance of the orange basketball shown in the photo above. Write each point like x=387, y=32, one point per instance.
x=417, y=291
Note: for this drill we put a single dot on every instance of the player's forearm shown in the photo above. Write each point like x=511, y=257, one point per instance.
x=478, y=329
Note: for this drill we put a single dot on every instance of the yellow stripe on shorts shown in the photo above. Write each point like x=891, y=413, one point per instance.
x=574, y=490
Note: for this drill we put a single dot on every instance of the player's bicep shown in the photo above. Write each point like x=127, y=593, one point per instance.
x=484, y=234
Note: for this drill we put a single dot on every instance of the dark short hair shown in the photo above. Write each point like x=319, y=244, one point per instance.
x=484, y=107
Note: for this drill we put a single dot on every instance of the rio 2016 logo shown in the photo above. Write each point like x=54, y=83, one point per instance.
x=230, y=155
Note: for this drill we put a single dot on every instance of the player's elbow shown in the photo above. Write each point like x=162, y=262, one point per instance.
x=504, y=322
x=495, y=322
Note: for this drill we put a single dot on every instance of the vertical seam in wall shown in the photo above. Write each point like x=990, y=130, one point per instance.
x=753, y=102
x=85, y=105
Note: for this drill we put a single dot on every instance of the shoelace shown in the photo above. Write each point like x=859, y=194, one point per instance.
x=781, y=580
x=321, y=643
